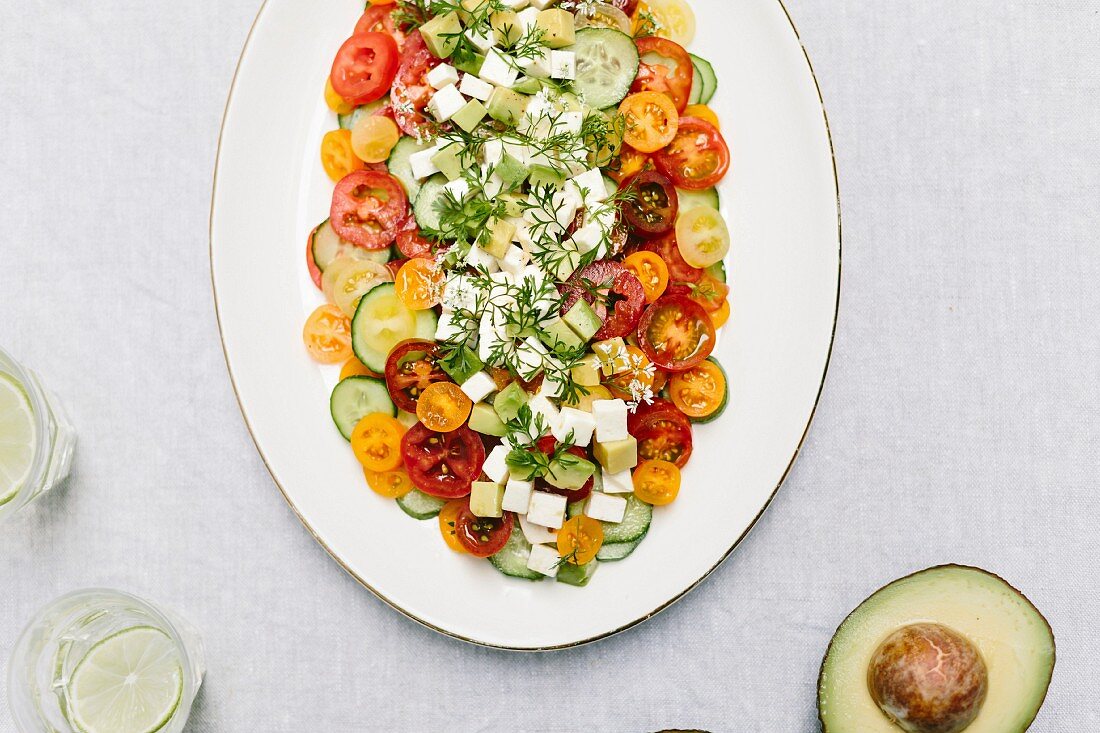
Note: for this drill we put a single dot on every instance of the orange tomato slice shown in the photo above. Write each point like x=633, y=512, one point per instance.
x=376, y=442
x=337, y=156
x=657, y=482
x=703, y=112
x=443, y=407
x=722, y=315
x=651, y=270
x=419, y=283
x=390, y=484
x=355, y=368
x=448, y=518
x=579, y=539
x=335, y=102
x=651, y=121
x=700, y=391
x=327, y=335
x=629, y=163
x=634, y=380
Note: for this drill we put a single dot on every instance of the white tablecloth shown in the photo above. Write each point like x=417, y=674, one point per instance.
x=959, y=423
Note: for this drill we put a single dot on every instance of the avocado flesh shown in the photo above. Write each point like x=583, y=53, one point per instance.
x=1012, y=636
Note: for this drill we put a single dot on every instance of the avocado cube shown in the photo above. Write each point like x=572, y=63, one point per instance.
x=470, y=63
x=462, y=365
x=557, y=26
x=570, y=472
x=577, y=575
x=487, y=499
x=542, y=176
x=484, y=419
x=612, y=354
x=509, y=400
x=449, y=161
x=617, y=455
x=583, y=320
x=559, y=336
x=528, y=85
x=506, y=27
x=467, y=8
x=470, y=116
x=586, y=373
x=513, y=205
x=441, y=34
x=507, y=106
x=512, y=173
x=498, y=238
x=566, y=264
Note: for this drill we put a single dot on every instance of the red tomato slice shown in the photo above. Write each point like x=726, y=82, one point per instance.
x=411, y=368
x=379, y=19
x=620, y=300
x=364, y=67
x=315, y=273
x=411, y=92
x=482, y=536
x=679, y=271
x=443, y=464
x=410, y=243
x=666, y=68
x=676, y=333
x=547, y=444
x=662, y=431
x=697, y=158
x=368, y=207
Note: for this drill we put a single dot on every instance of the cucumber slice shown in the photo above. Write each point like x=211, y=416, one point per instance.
x=577, y=575
x=382, y=321
x=618, y=550
x=356, y=397
x=512, y=559
x=424, y=209
x=696, y=95
x=708, y=79
x=327, y=246
x=419, y=505
x=717, y=271
x=399, y=165
x=348, y=121
x=692, y=199
x=635, y=523
x=607, y=62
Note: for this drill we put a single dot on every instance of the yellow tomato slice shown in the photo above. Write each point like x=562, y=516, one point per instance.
x=579, y=539
x=443, y=407
x=348, y=278
x=373, y=137
x=390, y=484
x=651, y=270
x=700, y=391
x=376, y=442
x=334, y=101
x=722, y=315
x=355, y=368
x=702, y=236
x=448, y=517
x=675, y=19
x=419, y=283
x=703, y=112
x=657, y=482
x=337, y=157
x=584, y=401
x=650, y=119
x=327, y=335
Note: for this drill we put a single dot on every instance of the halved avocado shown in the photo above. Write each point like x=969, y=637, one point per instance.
x=1013, y=639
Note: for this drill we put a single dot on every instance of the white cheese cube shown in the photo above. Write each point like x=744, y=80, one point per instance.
x=530, y=354
x=605, y=508
x=541, y=405
x=481, y=41
x=493, y=150
x=581, y=423
x=538, y=66
x=514, y=260
x=517, y=495
x=441, y=76
x=515, y=4
x=535, y=534
x=587, y=238
x=618, y=483
x=566, y=203
x=496, y=467
x=446, y=103
x=480, y=259
x=590, y=186
x=421, y=163
x=492, y=341
x=542, y=4
x=448, y=327
x=471, y=86
x=496, y=70
x=544, y=559
x=570, y=122
x=528, y=17
x=610, y=417
x=479, y=386
x=459, y=293
x=459, y=188
x=563, y=65
x=546, y=509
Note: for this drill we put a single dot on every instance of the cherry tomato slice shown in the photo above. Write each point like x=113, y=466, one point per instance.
x=443, y=407
x=652, y=210
x=355, y=368
x=364, y=67
x=709, y=292
x=679, y=271
x=657, y=482
x=379, y=19
x=579, y=539
x=547, y=444
x=629, y=163
x=443, y=464
x=411, y=92
x=697, y=158
x=337, y=156
x=419, y=283
x=614, y=293
x=662, y=432
x=676, y=333
x=368, y=207
x=627, y=6
x=650, y=120
x=390, y=484
x=376, y=442
x=410, y=243
x=700, y=391
x=448, y=523
x=722, y=315
x=666, y=68
x=411, y=368
x=311, y=264
x=327, y=335
x=482, y=536
x=651, y=271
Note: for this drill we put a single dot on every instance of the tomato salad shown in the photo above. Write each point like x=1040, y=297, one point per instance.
x=523, y=268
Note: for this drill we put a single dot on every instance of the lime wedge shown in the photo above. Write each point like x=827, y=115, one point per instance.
x=17, y=438
x=128, y=683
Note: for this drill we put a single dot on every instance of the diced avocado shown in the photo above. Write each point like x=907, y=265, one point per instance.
x=586, y=373
x=565, y=265
x=507, y=106
x=462, y=365
x=449, y=161
x=559, y=336
x=498, y=237
x=441, y=34
x=542, y=176
x=512, y=173
x=486, y=499
x=618, y=455
x=525, y=472
x=583, y=320
x=509, y=400
x=528, y=85
x=506, y=26
x=570, y=472
x=470, y=63
x=578, y=575
x=612, y=354
x=470, y=116
x=467, y=8
x=484, y=419
x=557, y=26
x=513, y=205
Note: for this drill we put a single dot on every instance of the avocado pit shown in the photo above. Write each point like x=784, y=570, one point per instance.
x=928, y=678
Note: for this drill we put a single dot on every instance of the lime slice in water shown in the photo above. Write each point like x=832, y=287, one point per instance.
x=128, y=683
x=17, y=438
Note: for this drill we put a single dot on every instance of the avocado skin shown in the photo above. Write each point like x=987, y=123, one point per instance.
x=945, y=566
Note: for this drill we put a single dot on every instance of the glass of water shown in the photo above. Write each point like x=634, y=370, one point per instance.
x=36, y=438
x=103, y=661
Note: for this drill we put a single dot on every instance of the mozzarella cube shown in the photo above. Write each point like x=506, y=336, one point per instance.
x=479, y=386
x=481, y=41
x=605, y=508
x=496, y=70
x=496, y=466
x=459, y=188
x=538, y=66
x=541, y=405
x=563, y=65
x=514, y=260
x=447, y=328
x=421, y=163
x=587, y=238
x=544, y=559
x=480, y=259
x=534, y=533
x=446, y=103
x=546, y=509
x=517, y=495
x=566, y=203
x=471, y=86
x=610, y=417
x=531, y=354
x=618, y=483
x=492, y=340
x=590, y=186
x=441, y=76
x=493, y=150
x=570, y=122
x=581, y=423
x=528, y=18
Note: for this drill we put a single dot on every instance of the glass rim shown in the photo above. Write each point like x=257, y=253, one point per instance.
x=40, y=410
